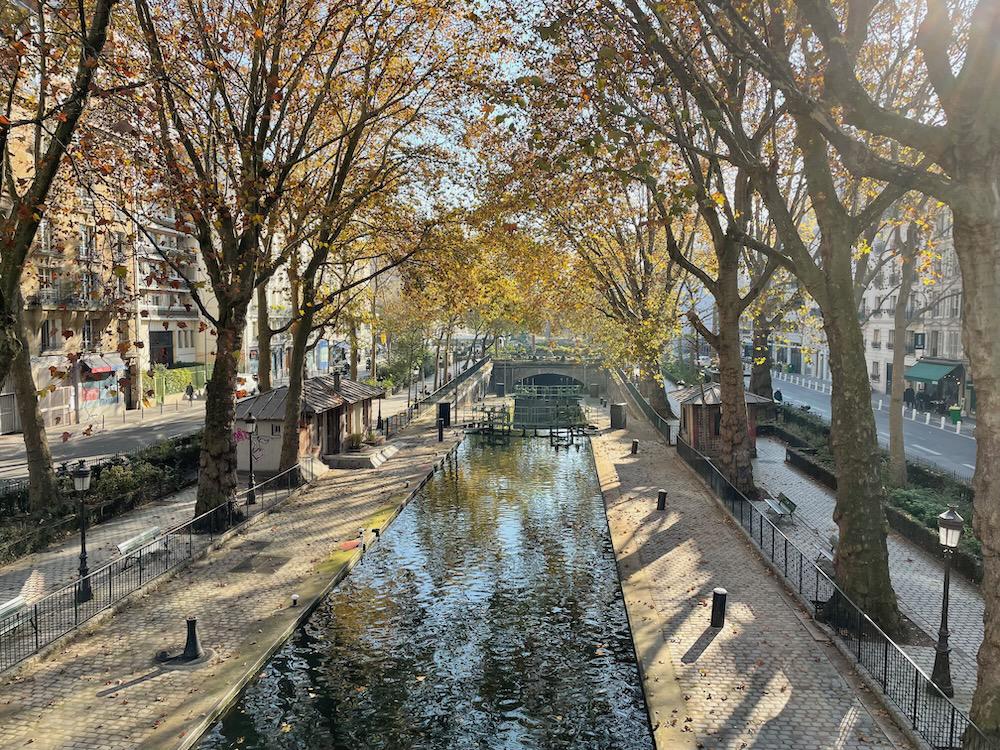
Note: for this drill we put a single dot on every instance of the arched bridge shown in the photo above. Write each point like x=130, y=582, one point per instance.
x=513, y=372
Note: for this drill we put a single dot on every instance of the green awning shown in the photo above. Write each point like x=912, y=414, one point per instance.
x=929, y=372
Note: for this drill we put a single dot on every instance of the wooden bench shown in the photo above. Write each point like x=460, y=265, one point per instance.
x=129, y=546
x=783, y=506
x=9, y=623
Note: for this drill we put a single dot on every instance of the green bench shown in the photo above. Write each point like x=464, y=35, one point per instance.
x=781, y=507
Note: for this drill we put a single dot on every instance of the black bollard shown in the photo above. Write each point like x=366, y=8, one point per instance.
x=719, y=607
x=192, y=648
x=661, y=500
x=440, y=424
x=635, y=447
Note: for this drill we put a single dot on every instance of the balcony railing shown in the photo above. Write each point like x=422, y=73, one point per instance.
x=876, y=345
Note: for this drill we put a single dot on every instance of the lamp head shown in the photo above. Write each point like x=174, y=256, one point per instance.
x=81, y=476
x=950, y=526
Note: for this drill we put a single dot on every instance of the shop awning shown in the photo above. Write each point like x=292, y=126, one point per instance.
x=929, y=372
x=97, y=365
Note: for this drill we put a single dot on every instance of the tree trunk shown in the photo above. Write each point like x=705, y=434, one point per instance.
x=354, y=350
x=293, y=400
x=897, y=448
x=217, y=476
x=447, y=358
x=736, y=449
x=760, y=369
x=977, y=242
x=10, y=345
x=43, y=489
x=861, y=561
x=263, y=341
x=437, y=364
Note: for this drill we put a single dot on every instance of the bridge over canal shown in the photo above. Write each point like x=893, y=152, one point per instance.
x=546, y=372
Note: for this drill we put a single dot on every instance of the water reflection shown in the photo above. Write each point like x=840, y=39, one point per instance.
x=489, y=616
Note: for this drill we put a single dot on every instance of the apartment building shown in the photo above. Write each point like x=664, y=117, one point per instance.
x=936, y=367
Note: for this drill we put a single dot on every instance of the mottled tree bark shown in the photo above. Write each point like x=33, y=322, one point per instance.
x=354, y=349
x=217, y=482
x=897, y=448
x=43, y=489
x=861, y=560
x=734, y=429
x=977, y=242
x=760, y=369
x=263, y=341
x=290, y=438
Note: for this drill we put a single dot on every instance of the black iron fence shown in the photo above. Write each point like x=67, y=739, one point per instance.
x=392, y=425
x=927, y=710
x=38, y=624
x=662, y=426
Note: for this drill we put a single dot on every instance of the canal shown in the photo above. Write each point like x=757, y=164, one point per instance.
x=489, y=616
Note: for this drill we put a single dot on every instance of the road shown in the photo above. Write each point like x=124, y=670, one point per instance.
x=927, y=443
x=113, y=436
x=177, y=419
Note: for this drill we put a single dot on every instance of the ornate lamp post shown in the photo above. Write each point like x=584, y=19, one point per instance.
x=251, y=425
x=950, y=526
x=81, y=483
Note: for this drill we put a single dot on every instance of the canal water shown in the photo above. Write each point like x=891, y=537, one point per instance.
x=489, y=616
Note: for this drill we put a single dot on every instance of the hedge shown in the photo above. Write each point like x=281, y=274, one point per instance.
x=911, y=511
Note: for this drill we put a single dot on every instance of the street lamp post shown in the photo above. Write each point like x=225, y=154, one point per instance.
x=251, y=425
x=950, y=525
x=81, y=483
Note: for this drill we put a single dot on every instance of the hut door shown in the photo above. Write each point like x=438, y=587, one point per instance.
x=333, y=431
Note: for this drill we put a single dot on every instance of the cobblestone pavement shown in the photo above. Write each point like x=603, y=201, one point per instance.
x=40, y=573
x=917, y=576
x=766, y=680
x=103, y=691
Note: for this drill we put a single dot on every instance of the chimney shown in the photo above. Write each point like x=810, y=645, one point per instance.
x=336, y=381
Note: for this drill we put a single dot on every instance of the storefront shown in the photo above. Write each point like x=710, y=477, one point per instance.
x=937, y=383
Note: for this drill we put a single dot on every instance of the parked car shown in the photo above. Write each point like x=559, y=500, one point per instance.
x=246, y=385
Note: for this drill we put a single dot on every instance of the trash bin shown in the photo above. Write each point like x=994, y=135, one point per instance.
x=618, y=420
x=444, y=412
x=956, y=413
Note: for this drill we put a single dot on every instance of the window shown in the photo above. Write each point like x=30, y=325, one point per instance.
x=717, y=426
x=275, y=429
x=88, y=334
x=956, y=306
x=89, y=285
x=44, y=236
x=45, y=335
x=890, y=342
x=118, y=245
x=86, y=247
x=953, y=346
x=47, y=273
x=876, y=372
x=934, y=344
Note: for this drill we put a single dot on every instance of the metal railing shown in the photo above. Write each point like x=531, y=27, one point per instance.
x=40, y=623
x=662, y=426
x=392, y=425
x=927, y=710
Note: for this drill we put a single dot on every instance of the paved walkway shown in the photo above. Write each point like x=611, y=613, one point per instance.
x=768, y=678
x=917, y=576
x=40, y=573
x=103, y=691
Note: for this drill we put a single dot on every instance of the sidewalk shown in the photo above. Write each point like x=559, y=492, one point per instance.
x=40, y=573
x=916, y=576
x=767, y=680
x=103, y=689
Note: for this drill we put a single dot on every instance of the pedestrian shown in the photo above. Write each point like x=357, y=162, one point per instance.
x=908, y=396
x=189, y=392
